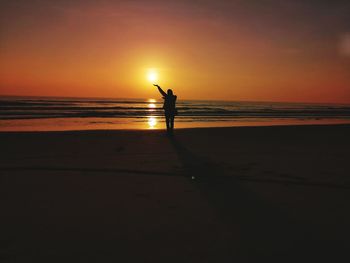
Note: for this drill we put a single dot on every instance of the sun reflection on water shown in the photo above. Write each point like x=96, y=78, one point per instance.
x=151, y=104
x=151, y=120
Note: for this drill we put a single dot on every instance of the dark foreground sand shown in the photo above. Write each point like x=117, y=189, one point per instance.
x=278, y=193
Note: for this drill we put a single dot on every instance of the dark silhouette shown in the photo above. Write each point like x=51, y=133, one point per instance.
x=169, y=108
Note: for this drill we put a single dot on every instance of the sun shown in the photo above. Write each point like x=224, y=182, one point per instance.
x=152, y=76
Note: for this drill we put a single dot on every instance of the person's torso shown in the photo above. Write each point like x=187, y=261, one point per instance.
x=169, y=102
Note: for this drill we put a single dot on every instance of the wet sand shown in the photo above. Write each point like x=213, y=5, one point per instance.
x=205, y=195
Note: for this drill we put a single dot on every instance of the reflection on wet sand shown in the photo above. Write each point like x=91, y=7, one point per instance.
x=152, y=122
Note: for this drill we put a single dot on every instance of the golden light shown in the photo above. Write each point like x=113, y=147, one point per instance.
x=152, y=122
x=152, y=76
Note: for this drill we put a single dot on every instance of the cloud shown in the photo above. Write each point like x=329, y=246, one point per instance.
x=344, y=45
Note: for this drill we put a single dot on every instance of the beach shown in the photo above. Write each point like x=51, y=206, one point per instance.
x=204, y=195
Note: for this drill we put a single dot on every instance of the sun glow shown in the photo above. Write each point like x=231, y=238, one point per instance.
x=152, y=76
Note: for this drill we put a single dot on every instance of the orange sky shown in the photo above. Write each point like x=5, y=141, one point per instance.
x=212, y=50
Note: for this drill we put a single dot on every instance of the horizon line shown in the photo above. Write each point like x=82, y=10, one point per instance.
x=129, y=98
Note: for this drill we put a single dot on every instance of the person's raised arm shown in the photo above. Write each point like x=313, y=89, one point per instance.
x=160, y=90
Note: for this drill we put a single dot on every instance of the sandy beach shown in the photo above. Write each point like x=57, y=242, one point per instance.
x=205, y=195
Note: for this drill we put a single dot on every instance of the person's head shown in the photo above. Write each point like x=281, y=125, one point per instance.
x=170, y=92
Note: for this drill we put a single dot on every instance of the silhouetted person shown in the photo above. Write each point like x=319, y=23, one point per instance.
x=169, y=108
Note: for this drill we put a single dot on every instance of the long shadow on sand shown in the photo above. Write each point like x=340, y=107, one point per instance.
x=255, y=228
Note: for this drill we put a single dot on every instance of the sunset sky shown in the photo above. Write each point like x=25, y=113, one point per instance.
x=255, y=50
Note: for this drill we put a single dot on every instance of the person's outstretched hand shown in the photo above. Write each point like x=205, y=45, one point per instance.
x=155, y=85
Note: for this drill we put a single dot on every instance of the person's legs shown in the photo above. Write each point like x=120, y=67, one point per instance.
x=167, y=121
x=172, y=122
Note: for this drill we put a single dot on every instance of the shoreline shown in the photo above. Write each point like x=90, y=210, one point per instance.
x=160, y=130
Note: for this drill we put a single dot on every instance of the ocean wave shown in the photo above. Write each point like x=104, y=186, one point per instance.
x=85, y=108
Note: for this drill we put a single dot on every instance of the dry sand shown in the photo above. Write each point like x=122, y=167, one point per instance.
x=277, y=193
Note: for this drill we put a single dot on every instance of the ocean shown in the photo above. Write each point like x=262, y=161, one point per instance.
x=56, y=114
